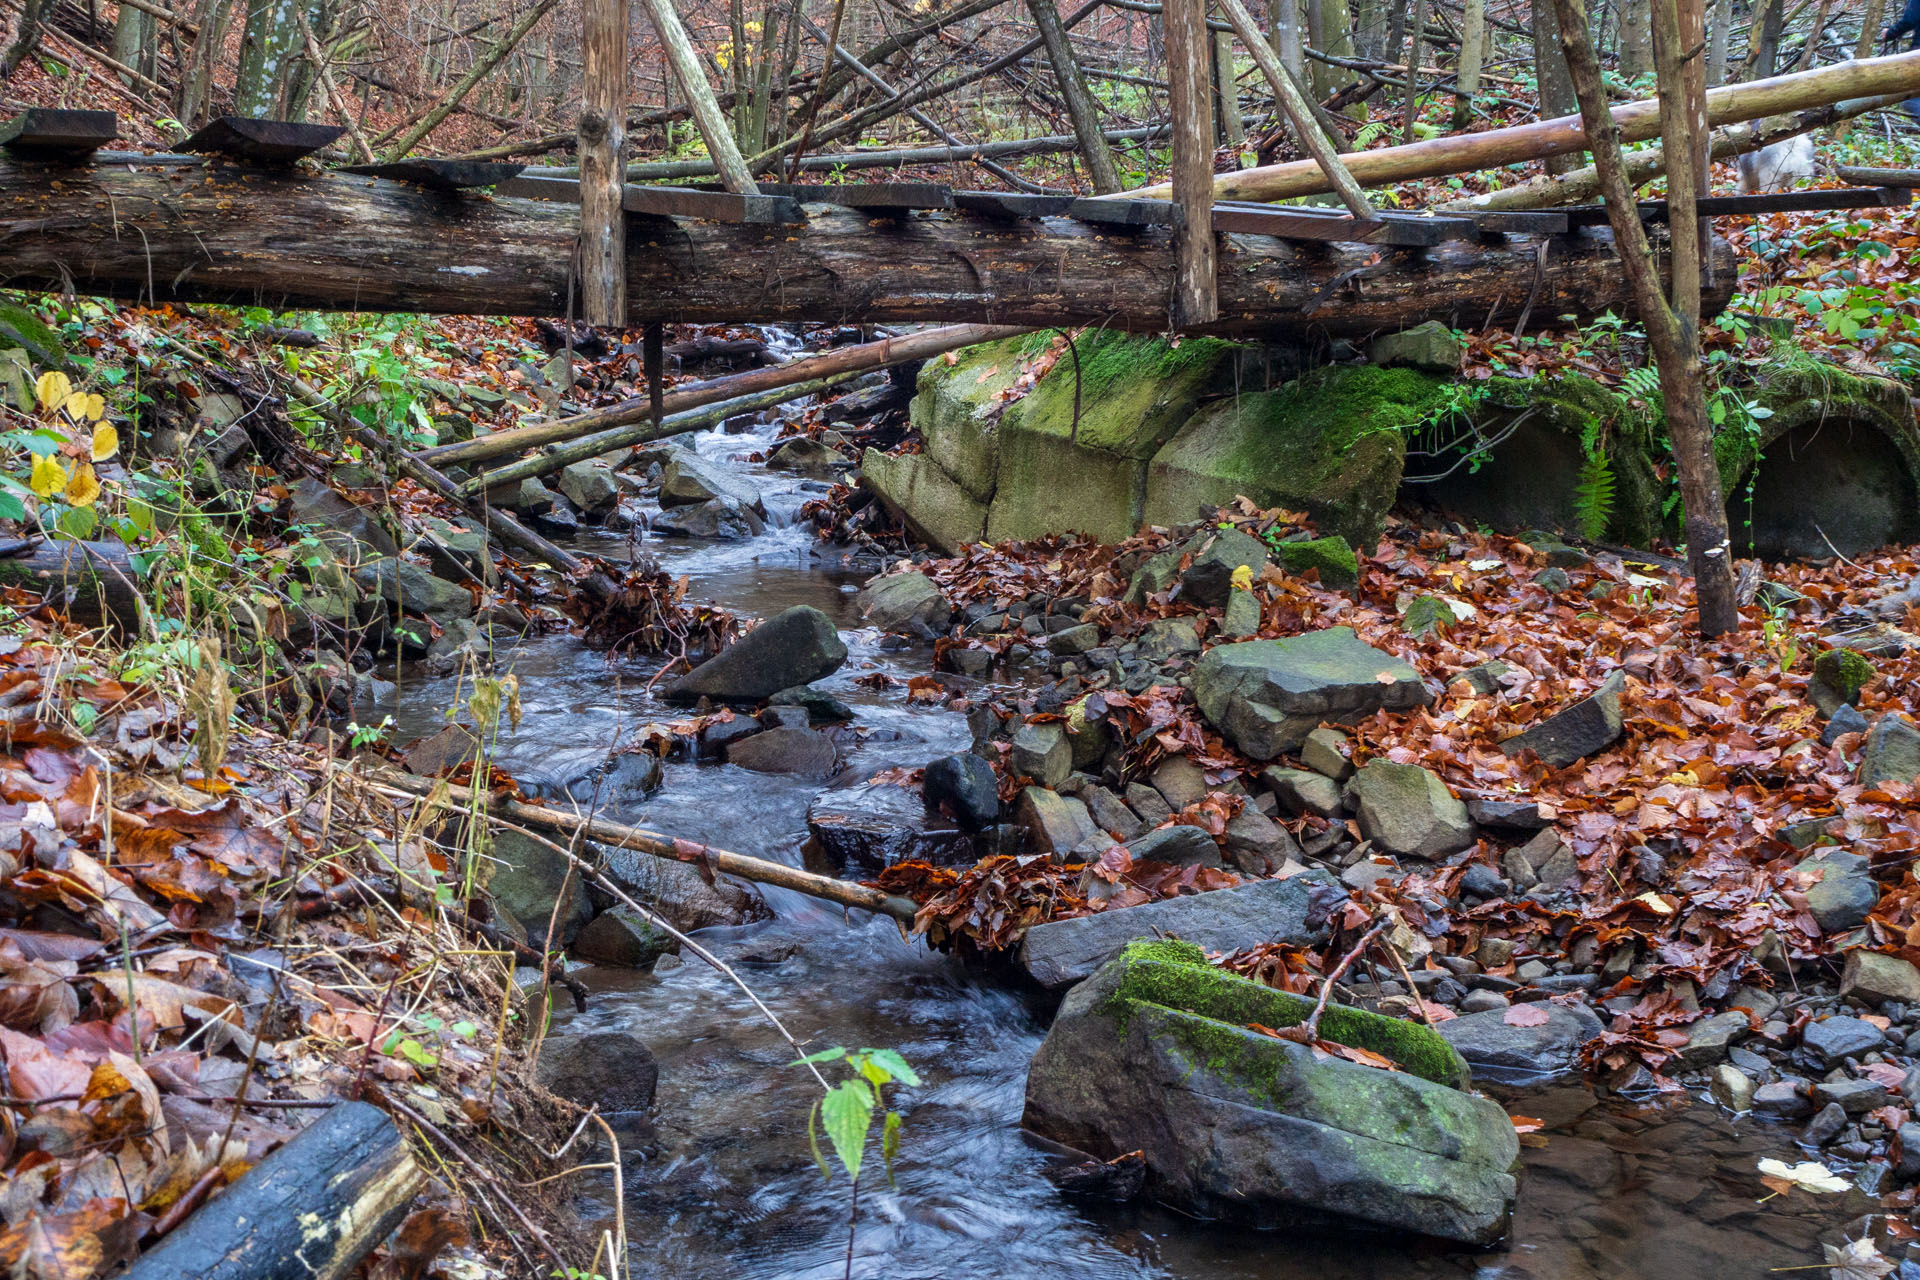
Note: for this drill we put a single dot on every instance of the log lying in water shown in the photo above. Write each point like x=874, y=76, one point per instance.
x=310, y=1211
x=182, y=229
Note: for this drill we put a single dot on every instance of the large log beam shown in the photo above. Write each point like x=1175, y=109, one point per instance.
x=174, y=229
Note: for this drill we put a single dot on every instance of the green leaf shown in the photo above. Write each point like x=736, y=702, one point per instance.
x=825, y=1055
x=78, y=522
x=413, y=1051
x=847, y=1112
x=895, y=1066
x=890, y=1141
x=813, y=1140
x=464, y=1029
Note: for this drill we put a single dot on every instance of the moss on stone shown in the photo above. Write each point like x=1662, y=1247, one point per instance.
x=20, y=327
x=1844, y=671
x=1585, y=413
x=1175, y=975
x=1134, y=392
x=1333, y=556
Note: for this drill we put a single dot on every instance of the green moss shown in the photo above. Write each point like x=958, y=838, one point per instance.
x=1332, y=556
x=1844, y=671
x=1175, y=975
x=1133, y=392
x=20, y=328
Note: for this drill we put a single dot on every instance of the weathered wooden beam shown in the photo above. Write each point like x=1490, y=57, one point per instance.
x=48, y=131
x=91, y=582
x=603, y=164
x=260, y=141
x=1196, y=300
x=437, y=175
x=173, y=228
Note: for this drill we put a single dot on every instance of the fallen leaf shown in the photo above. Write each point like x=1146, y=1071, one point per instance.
x=1525, y=1015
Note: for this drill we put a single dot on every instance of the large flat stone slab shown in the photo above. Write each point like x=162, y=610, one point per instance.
x=1265, y=696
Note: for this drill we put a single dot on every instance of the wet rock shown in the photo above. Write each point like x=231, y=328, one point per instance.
x=1111, y=813
x=796, y=646
x=1731, y=1088
x=874, y=826
x=448, y=749
x=1055, y=823
x=1708, y=1039
x=1301, y=792
x=590, y=486
x=681, y=895
x=1840, y=889
x=1241, y=620
x=591, y=776
x=1787, y=1099
x=1844, y=720
x=1041, y=752
x=905, y=602
x=964, y=786
x=622, y=937
x=1833, y=1039
x=1909, y=1166
x=1405, y=809
x=1856, y=1097
x=1531, y=1055
x=721, y=519
x=559, y=521
x=1179, y=781
x=534, y=885
x=772, y=717
x=821, y=707
x=689, y=480
x=1590, y=725
x=1179, y=846
x=414, y=589
x=1208, y=579
x=801, y=752
x=1891, y=752
x=1071, y=642
x=1507, y=815
x=1154, y=1054
x=1062, y=952
x=1265, y=696
x=1876, y=978
x=808, y=458
x=721, y=732
x=1484, y=1001
x=611, y=1070
x=1825, y=1125
x=527, y=497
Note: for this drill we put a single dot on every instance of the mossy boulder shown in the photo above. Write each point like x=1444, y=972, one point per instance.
x=1156, y=1052
x=1331, y=557
x=1331, y=444
x=1088, y=474
x=934, y=506
x=1547, y=428
x=1838, y=677
x=21, y=329
x=957, y=407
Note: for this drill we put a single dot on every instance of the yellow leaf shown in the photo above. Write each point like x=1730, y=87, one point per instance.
x=84, y=489
x=1243, y=578
x=52, y=388
x=85, y=406
x=106, y=442
x=48, y=477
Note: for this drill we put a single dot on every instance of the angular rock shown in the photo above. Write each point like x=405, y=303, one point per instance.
x=1856, y=1097
x=964, y=786
x=1875, y=978
x=1147, y=802
x=802, y=752
x=413, y=589
x=821, y=707
x=591, y=776
x=347, y=529
x=590, y=486
x=1825, y=1125
x=1154, y=1054
x=1523, y=1055
x=1325, y=751
x=1180, y=846
x=1265, y=696
x=1165, y=638
x=690, y=480
x=808, y=458
x=1844, y=720
x=1841, y=890
x=905, y=602
x=1405, y=809
x=722, y=519
x=1839, y=1037
x=1891, y=752
x=1507, y=815
x=934, y=507
x=1590, y=725
x=611, y=1070
x=796, y=646
x=1179, y=781
x=1041, y=752
x=622, y=937
x=534, y=885
x=1055, y=823
x=679, y=894
x=1708, y=1039
x=1062, y=952
x=1787, y=1099
x=1209, y=578
x=1300, y=792
x=1074, y=641
x=1430, y=347
x=872, y=826
x=1256, y=844
x=1111, y=813
x=1731, y=1088
x=1332, y=558
x=1241, y=619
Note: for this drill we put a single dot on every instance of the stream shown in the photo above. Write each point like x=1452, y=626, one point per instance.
x=721, y=1183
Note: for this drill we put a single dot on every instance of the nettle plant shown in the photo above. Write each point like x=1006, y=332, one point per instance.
x=846, y=1110
x=52, y=476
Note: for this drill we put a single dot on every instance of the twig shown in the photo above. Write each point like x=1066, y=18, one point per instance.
x=481, y=1171
x=1309, y=1031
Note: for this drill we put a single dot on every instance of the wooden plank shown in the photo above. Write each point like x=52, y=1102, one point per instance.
x=1416, y=230
x=878, y=196
x=439, y=175
x=558, y=190
x=1008, y=204
x=1288, y=223
x=713, y=206
x=260, y=141
x=1124, y=213
x=48, y=131
x=1835, y=198
x=1869, y=176
x=1524, y=222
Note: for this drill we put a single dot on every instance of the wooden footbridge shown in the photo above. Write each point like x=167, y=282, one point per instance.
x=242, y=214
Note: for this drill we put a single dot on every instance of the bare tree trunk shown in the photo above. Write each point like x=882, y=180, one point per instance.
x=1671, y=320
x=24, y=38
x=1418, y=42
x=603, y=164
x=135, y=41
x=1763, y=39
x=481, y=66
x=1283, y=21
x=1233, y=129
x=1196, y=299
x=693, y=82
x=1719, y=35
x=1550, y=69
x=1329, y=29
x=1812, y=46
x=1473, y=49
x=1636, y=38
x=1079, y=99
x=196, y=79
x=1298, y=111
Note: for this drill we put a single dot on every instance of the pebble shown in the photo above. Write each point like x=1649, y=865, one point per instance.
x=1825, y=1125
x=1483, y=1001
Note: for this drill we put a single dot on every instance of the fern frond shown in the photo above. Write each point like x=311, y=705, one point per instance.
x=1593, y=496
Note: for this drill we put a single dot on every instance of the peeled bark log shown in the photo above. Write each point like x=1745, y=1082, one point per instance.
x=310, y=1211
x=183, y=230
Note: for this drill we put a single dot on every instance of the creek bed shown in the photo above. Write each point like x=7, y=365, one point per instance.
x=721, y=1183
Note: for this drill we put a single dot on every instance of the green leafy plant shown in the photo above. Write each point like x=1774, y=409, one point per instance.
x=1593, y=496
x=846, y=1112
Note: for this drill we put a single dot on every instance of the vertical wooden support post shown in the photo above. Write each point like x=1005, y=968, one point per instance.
x=679, y=50
x=603, y=165
x=1195, y=299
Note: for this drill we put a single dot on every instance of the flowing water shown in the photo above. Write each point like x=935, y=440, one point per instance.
x=721, y=1182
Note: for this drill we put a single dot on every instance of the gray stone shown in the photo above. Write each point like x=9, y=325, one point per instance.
x=1590, y=725
x=1731, y=1088
x=1708, y=1039
x=1483, y=679
x=1209, y=578
x=1404, y=809
x=351, y=532
x=1060, y=953
x=1056, y=824
x=1265, y=696
x=590, y=486
x=1179, y=845
x=611, y=1070
x=1165, y=638
x=1482, y=881
x=1841, y=890
x=1041, y=752
x=1327, y=752
x=925, y=498
x=722, y=519
x=1507, y=815
x=1430, y=347
x=622, y=937
x=456, y=552
x=964, y=786
x=690, y=480
x=681, y=895
x=1256, y=844
x=908, y=602
x=805, y=753
x=1891, y=752
x=1148, y=803
x=591, y=776
x=874, y=825
x=1111, y=812
x=1875, y=978
x=414, y=589
x=1242, y=617
x=1153, y=1054
x=1845, y=719
x=1483, y=1001
x=1909, y=1166
x=821, y=707
x=1784, y=1098
x=807, y=457
x=796, y=646
x=1300, y=792
x=1856, y=1097
x=1825, y=1125
x=529, y=497
x=1074, y=641
x=1179, y=781
x=1836, y=1038
x=534, y=885
x=1559, y=870
x=1529, y=1055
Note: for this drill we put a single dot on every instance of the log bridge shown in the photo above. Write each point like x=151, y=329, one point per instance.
x=239, y=224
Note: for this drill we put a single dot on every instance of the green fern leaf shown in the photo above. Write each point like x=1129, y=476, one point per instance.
x=1593, y=497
